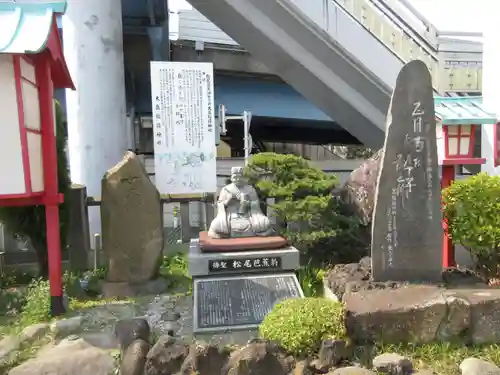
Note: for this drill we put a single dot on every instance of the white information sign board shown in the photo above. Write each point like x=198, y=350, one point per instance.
x=184, y=127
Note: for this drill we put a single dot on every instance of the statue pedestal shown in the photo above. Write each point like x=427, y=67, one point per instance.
x=229, y=260
x=215, y=245
x=234, y=289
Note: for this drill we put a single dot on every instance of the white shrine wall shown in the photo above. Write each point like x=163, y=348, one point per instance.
x=11, y=161
x=32, y=122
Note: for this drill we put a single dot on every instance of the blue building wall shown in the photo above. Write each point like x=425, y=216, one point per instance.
x=264, y=98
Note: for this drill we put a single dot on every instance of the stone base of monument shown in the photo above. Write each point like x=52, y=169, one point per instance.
x=234, y=290
x=461, y=309
x=218, y=245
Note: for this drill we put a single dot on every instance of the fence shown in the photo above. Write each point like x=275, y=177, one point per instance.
x=184, y=218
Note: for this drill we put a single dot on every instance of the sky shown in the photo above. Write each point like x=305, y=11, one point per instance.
x=448, y=15
x=453, y=15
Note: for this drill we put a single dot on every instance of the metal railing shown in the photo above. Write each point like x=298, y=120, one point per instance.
x=410, y=36
x=183, y=231
x=396, y=33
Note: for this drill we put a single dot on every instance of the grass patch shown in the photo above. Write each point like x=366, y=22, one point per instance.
x=174, y=268
x=24, y=300
x=311, y=280
x=24, y=305
x=443, y=358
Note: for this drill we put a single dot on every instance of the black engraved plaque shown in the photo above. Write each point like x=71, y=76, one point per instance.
x=240, y=301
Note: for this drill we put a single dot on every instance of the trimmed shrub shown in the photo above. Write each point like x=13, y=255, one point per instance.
x=312, y=217
x=472, y=208
x=300, y=324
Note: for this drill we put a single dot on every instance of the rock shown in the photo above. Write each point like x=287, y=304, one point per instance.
x=103, y=339
x=484, y=314
x=11, y=344
x=345, y=279
x=134, y=358
x=130, y=330
x=365, y=354
x=65, y=327
x=392, y=364
x=332, y=352
x=8, y=346
x=68, y=358
x=259, y=358
x=459, y=276
x=205, y=360
x=424, y=313
x=457, y=320
x=410, y=314
x=132, y=222
x=35, y=332
x=359, y=190
x=166, y=356
x=304, y=368
x=474, y=366
x=352, y=370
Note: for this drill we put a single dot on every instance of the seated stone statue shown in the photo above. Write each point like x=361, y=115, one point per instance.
x=238, y=211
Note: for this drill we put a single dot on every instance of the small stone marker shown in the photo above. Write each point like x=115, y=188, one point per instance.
x=406, y=230
x=239, y=302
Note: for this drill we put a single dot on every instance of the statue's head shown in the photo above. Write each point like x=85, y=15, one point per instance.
x=237, y=176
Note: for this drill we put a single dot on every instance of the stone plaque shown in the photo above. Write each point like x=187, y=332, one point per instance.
x=406, y=230
x=239, y=302
x=262, y=263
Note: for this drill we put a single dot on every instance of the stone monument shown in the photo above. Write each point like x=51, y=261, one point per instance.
x=240, y=267
x=406, y=228
x=132, y=228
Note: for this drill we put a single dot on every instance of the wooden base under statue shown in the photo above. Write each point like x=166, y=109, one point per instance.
x=217, y=245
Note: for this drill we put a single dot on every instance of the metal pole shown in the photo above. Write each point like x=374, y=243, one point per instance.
x=247, y=119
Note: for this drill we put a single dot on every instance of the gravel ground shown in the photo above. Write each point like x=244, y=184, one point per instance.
x=162, y=310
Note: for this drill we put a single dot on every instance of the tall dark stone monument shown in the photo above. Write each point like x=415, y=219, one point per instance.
x=406, y=228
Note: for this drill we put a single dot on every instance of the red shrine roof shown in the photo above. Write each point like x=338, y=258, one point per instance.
x=30, y=27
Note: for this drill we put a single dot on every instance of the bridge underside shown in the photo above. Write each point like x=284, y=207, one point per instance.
x=279, y=113
x=268, y=129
